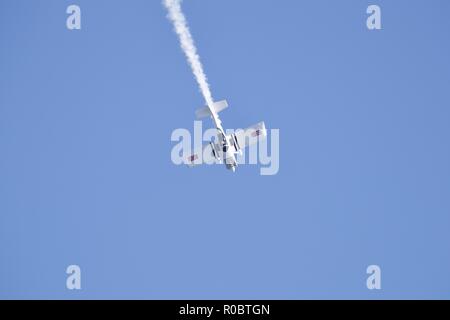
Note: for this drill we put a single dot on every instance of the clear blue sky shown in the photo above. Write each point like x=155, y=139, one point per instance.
x=85, y=171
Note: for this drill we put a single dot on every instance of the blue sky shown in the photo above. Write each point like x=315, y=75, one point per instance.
x=85, y=171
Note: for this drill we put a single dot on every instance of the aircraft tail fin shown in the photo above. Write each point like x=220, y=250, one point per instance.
x=205, y=112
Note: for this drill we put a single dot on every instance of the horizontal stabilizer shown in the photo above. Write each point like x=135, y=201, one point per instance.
x=217, y=106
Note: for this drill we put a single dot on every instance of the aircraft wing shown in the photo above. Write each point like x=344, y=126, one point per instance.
x=206, y=154
x=251, y=135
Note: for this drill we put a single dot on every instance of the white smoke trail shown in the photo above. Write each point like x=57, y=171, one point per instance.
x=187, y=44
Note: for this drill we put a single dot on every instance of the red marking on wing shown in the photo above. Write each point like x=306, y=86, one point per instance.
x=193, y=158
x=256, y=133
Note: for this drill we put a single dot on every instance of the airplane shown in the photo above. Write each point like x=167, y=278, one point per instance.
x=225, y=147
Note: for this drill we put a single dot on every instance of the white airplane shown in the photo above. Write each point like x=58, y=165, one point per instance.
x=225, y=148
